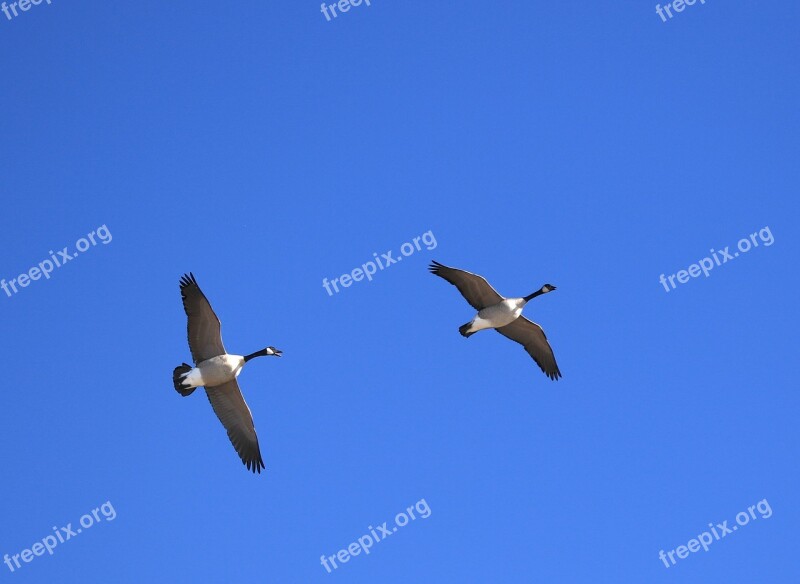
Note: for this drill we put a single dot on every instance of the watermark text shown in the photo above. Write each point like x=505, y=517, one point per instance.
x=705, y=539
x=60, y=535
x=720, y=257
x=46, y=266
x=375, y=535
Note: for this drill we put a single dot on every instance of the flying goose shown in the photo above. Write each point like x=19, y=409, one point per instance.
x=217, y=371
x=502, y=314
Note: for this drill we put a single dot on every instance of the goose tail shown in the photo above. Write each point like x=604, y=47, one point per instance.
x=177, y=379
x=464, y=330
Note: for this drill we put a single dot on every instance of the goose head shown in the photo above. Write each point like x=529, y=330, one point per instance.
x=543, y=290
x=264, y=353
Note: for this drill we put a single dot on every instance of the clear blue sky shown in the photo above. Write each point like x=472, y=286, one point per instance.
x=588, y=145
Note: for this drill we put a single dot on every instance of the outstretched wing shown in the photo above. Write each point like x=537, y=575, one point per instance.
x=232, y=411
x=205, y=336
x=473, y=287
x=531, y=336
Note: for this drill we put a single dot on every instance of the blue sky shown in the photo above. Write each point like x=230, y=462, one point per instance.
x=263, y=148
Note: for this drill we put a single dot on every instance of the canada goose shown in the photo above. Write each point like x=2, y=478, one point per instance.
x=217, y=371
x=502, y=314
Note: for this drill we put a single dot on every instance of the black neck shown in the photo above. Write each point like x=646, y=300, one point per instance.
x=261, y=353
x=530, y=297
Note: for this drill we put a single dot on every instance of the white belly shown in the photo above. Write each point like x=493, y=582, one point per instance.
x=499, y=315
x=215, y=371
x=505, y=318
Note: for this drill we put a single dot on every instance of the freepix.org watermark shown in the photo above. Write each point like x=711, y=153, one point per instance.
x=342, y=5
x=370, y=268
x=46, y=267
x=722, y=256
x=23, y=5
x=60, y=535
x=365, y=542
x=721, y=530
x=676, y=5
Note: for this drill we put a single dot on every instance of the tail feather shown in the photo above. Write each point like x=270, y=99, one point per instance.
x=177, y=379
x=464, y=328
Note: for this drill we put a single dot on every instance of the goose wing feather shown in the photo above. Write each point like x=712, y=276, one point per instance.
x=474, y=288
x=203, y=328
x=232, y=411
x=531, y=336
